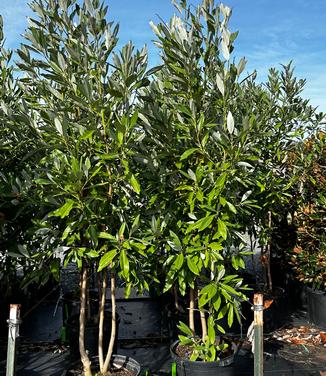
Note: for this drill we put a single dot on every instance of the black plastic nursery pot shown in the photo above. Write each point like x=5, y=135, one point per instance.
x=91, y=335
x=187, y=367
x=71, y=304
x=118, y=362
x=316, y=307
x=297, y=293
x=172, y=317
x=277, y=313
x=130, y=364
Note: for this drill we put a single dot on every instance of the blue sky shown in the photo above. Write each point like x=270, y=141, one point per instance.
x=271, y=32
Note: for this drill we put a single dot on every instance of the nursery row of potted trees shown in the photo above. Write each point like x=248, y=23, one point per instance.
x=156, y=176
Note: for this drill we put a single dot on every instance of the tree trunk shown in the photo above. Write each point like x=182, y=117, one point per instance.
x=101, y=319
x=82, y=318
x=191, y=310
x=176, y=301
x=268, y=254
x=203, y=325
x=113, y=326
x=88, y=304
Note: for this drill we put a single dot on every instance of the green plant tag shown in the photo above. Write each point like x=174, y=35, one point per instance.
x=174, y=369
x=63, y=334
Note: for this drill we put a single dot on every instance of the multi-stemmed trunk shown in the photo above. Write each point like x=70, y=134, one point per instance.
x=105, y=367
x=104, y=363
x=82, y=321
x=101, y=318
x=192, y=308
x=268, y=255
x=203, y=323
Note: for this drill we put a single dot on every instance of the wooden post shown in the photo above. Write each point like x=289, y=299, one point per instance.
x=259, y=335
x=13, y=334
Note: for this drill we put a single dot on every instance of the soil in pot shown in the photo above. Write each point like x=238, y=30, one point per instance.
x=186, y=367
x=121, y=366
x=91, y=335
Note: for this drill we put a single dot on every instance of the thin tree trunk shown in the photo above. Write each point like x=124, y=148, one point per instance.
x=113, y=326
x=253, y=259
x=268, y=254
x=191, y=310
x=88, y=305
x=82, y=318
x=101, y=319
x=203, y=325
x=176, y=301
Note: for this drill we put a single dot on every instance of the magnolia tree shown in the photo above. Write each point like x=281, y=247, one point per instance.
x=201, y=147
x=83, y=95
x=18, y=156
x=219, y=145
x=202, y=154
x=280, y=121
x=308, y=257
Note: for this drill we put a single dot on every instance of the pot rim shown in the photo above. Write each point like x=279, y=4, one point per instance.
x=315, y=291
x=117, y=356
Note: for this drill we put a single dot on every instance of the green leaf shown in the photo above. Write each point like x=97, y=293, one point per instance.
x=241, y=66
x=106, y=259
x=209, y=290
x=105, y=235
x=64, y=210
x=221, y=329
x=88, y=163
x=122, y=229
x=92, y=254
x=134, y=183
x=230, y=122
x=211, y=331
x=187, y=153
x=220, y=84
x=217, y=302
x=133, y=119
x=230, y=316
x=135, y=224
x=192, y=175
x=220, y=182
x=221, y=228
x=185, y=329
x=192, y=266
x=42, y=181
x=184, y=340
x=231, y=207
x=221, y=274
x=23, y=250
x=58, y=126
x=201, y=224
x=87, y=135
x=124, y=263
x=178, y=262
x=225, y=50
x=175, y=238
x=216, y=246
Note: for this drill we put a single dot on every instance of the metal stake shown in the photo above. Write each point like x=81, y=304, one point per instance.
x=259, y=335
x=13, y=334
